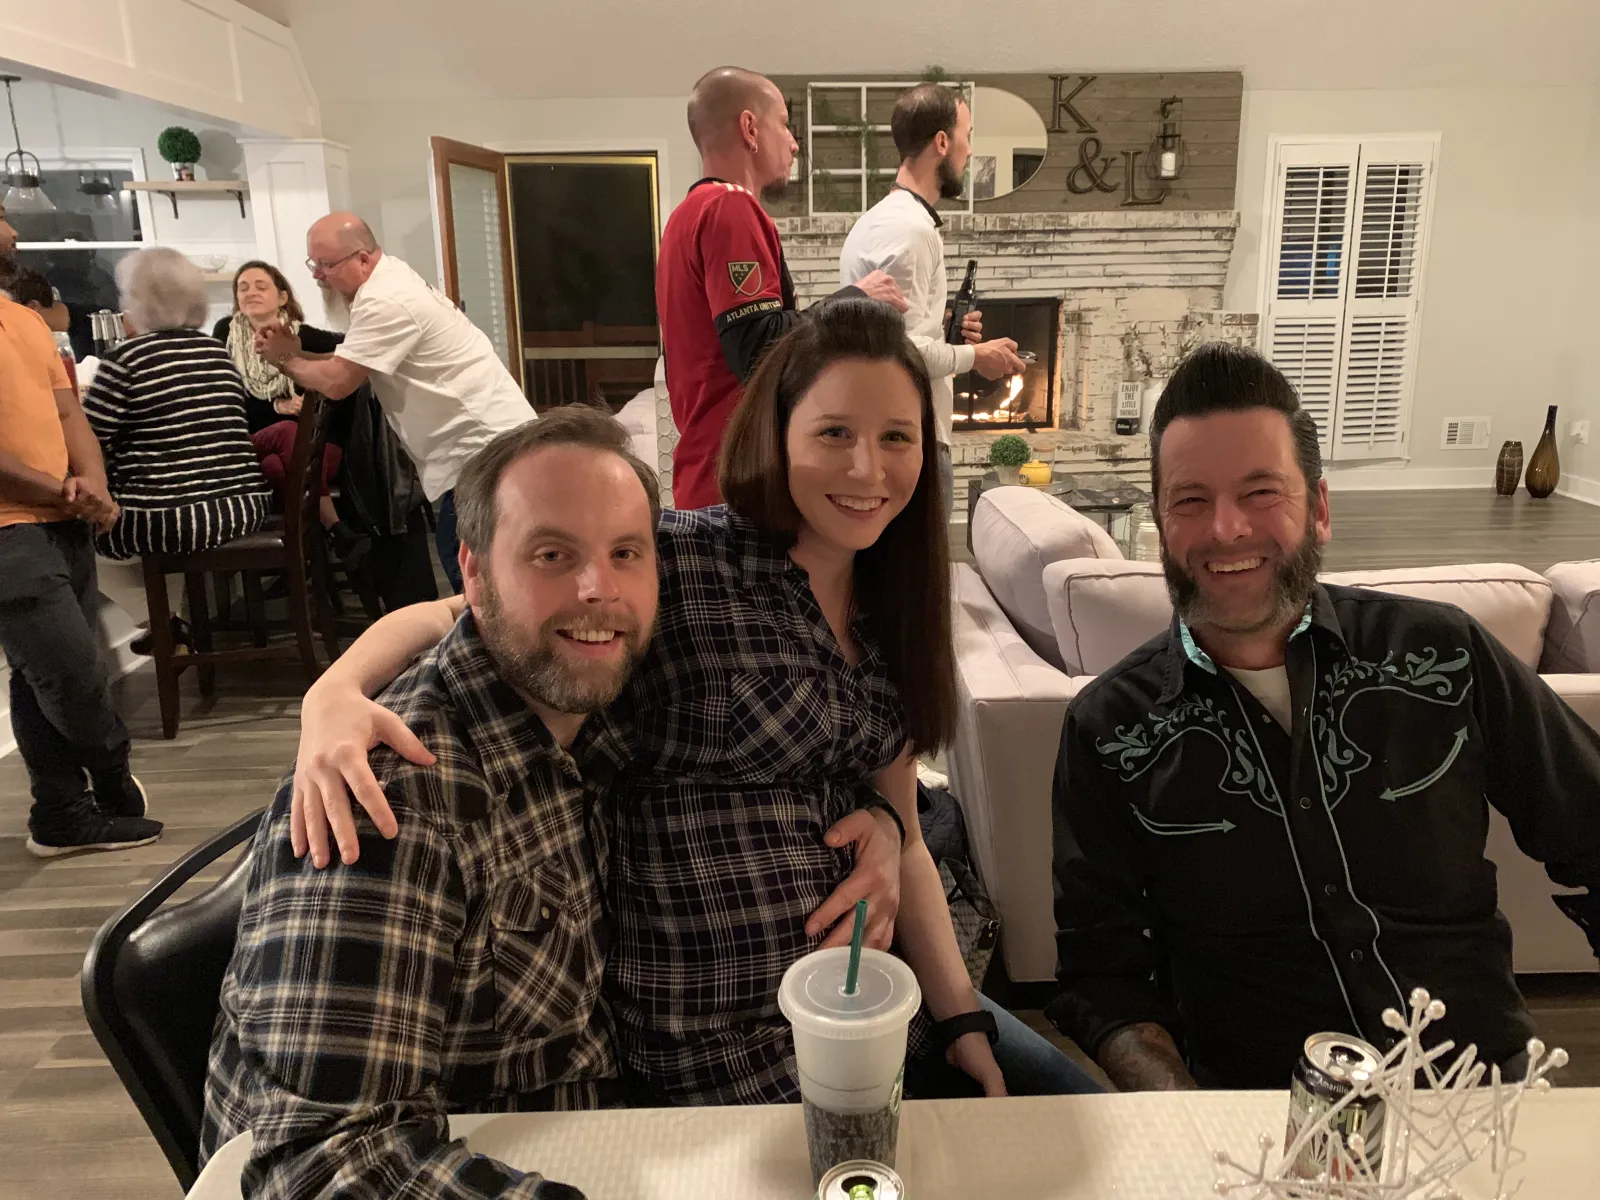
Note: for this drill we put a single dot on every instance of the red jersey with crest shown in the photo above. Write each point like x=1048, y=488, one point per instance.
x=721, y=267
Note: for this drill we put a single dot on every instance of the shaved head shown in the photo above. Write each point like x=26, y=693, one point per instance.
x=720, y=97
x=345, y=231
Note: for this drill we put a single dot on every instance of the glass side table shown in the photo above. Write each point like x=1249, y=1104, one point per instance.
x=1109, y=503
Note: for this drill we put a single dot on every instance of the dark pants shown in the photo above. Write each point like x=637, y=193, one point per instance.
x=444, y=538
x=62, y=713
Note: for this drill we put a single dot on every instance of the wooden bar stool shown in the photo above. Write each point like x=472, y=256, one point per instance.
x=294, y=548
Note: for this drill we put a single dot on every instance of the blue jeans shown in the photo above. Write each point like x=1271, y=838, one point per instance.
x=1031, y=1065
x=444, y=538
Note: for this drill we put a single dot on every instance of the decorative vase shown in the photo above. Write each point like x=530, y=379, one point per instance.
x=1508, y=470
x=183, y=172
x=1544, y=468
x=1007, y=474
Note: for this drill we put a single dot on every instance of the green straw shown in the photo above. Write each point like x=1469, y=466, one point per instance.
x=856, y=937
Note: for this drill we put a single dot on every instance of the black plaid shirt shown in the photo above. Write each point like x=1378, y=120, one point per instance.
x=751, y=736
x=456, y=969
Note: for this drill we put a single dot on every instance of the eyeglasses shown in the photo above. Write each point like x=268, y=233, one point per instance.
x=314, y=265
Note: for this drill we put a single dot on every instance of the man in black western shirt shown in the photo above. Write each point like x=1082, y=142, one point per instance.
x=1270, y=820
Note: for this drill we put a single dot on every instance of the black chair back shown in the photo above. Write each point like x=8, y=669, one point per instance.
x=152, y=982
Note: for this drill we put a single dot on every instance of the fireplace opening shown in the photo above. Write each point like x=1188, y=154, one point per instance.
x=1018, y=401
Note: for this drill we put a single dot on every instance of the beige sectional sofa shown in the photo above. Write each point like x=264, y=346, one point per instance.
x=1053, y=602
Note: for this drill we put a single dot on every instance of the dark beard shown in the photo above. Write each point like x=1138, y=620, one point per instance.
x=951, y=185
x=1296, y=579
x=775, y=190
x=534, y=668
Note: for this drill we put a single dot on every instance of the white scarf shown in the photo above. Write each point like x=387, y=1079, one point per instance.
x=264, y=380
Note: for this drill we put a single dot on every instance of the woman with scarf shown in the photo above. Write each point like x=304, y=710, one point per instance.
x=263, y=297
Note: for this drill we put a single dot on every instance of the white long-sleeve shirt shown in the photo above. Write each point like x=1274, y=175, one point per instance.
x=900, y=235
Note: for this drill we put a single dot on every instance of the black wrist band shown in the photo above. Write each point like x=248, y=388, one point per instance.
x=889, y=808
x=982, y=1021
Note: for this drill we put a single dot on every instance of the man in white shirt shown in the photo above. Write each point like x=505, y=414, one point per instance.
x=443, y=389
x=932, y=128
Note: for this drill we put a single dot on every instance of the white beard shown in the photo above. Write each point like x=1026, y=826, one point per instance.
x=337, y=309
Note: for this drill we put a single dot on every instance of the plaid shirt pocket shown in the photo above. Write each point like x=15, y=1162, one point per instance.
x=530, y=958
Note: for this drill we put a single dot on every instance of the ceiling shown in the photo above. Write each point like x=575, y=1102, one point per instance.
x=371, y=49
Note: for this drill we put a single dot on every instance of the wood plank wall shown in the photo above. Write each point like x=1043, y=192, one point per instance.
x=1123, y=111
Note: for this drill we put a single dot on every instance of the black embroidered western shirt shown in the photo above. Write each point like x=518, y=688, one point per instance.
x=1246, y=886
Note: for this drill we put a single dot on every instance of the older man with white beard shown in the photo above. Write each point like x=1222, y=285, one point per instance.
x=445, y=391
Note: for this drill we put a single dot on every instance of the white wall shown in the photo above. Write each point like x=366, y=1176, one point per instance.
x=1494, y=338
x=389, y=163
x=205, y=56
x=1580, y=465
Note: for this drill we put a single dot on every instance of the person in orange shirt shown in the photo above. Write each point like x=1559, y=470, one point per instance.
x=53, y=496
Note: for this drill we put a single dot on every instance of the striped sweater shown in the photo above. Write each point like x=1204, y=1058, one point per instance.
x=168, y=408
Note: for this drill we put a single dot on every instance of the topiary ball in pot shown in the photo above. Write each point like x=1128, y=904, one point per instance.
x=1006, y=454
x=181, y=148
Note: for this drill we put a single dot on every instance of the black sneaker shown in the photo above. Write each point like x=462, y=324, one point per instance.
x=120, y=795
x=88, y=829
x=182, y=639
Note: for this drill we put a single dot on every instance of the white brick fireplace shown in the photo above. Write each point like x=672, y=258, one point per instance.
x=1157, y=273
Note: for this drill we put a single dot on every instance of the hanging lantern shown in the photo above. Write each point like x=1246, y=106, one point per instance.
x=1168, y=154
x=24, y=192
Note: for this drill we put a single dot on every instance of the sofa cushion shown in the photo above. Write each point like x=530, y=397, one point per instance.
x=1016, y=533
x=1101, y=611
x=1572, y=642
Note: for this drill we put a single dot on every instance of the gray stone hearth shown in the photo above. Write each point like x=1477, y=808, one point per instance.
x=1159, y=274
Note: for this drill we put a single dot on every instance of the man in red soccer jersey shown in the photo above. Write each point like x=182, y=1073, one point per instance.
x=722, y=287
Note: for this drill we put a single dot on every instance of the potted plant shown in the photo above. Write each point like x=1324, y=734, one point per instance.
x=1007, y=454
x=181, y=148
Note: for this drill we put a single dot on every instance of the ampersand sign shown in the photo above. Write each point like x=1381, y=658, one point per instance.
x=1087, y=176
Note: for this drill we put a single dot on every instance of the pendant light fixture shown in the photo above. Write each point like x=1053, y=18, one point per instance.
x=23, y=194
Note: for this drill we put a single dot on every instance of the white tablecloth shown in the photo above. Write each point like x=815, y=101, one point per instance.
x=1145, y=1146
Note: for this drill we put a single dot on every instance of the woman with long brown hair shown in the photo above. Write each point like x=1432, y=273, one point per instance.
x=802, y=661
x=262, y=297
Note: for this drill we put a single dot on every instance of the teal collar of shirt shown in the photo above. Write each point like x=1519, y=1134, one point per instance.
x=1187, y=652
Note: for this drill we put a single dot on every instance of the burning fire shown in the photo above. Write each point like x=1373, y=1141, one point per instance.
x=1001, y=411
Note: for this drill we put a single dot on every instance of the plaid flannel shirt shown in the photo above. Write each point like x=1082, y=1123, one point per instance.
x=457, y=968
x=751, y=736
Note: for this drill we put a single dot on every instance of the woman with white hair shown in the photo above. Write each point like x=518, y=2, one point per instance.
x=168, y=406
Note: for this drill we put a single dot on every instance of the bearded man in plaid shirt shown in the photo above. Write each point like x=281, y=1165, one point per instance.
x=458, y=967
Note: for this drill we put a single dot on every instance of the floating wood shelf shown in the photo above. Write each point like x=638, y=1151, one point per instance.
x=217, y=276
x=173, y=188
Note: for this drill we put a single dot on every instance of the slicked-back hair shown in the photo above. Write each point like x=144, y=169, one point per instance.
x=1222, y=377
x=902, y=581
x=921, y=114
x=477, y=512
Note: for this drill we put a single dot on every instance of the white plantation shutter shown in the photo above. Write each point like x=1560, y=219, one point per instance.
x=1378, y=374
x=1346, y=237
x=1307, y=272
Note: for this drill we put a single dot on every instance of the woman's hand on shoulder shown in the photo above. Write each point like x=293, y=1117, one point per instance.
x=338, y=727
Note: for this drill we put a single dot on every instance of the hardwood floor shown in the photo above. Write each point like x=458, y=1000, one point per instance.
x=71, y=1128
x=1412, y=529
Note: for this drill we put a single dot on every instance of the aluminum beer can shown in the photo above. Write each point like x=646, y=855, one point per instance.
x=1326, y=1073
x=861, y=1180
